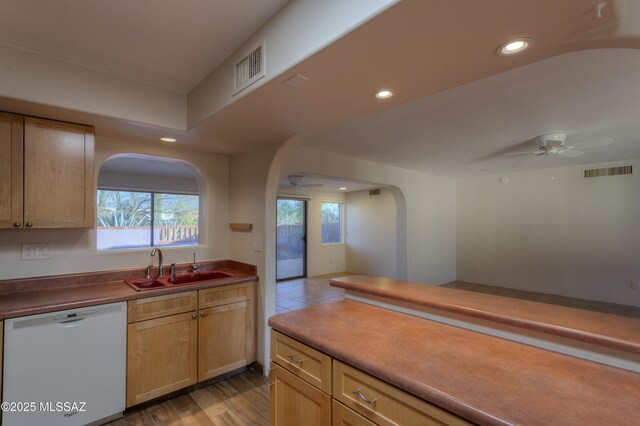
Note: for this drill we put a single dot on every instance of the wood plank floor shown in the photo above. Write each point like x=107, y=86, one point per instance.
x=239, y=400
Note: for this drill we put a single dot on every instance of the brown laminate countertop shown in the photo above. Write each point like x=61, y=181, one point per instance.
x=38, y=298
x=607, y=330
x=485, y=379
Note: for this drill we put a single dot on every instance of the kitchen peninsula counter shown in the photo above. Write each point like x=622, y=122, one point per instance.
x=484, y=379
x=610, y=331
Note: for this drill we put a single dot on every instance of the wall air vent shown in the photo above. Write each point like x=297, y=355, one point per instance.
x=250, y=68
x=374, y=192
x=608, y=171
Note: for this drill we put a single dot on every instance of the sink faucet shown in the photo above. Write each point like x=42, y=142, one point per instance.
x=153, y=253
x=194, y=266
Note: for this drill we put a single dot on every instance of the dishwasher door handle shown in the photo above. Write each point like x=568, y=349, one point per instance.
x=73, y=317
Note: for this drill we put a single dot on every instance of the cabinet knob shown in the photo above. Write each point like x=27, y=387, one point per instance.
x=28, y=224
x=193, y=315
x=17, y=224
x=202, y=313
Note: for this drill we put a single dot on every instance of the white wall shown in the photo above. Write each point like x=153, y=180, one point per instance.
x=426, y=224
x=371, y=233
x=75, y=250
x=552, y=231
x=248, y=176
x=321, y=258
x=46, y=80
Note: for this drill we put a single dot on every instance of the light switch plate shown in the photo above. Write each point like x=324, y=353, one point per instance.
x=37, y=251
x=257, y=244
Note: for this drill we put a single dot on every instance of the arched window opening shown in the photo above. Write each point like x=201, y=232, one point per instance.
x=145, y=201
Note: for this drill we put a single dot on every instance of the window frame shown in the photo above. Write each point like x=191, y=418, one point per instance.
x=152, y=216
x=341, y=220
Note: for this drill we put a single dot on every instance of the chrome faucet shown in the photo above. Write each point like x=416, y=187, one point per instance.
x=194, y=266
x=153, y=253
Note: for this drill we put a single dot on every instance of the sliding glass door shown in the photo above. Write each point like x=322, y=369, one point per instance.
x=291, y=238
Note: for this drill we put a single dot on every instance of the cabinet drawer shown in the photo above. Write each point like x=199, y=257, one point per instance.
x=305, y=362
x=217, y=296
x=385, y=404
x=161, y=306
x=343, y=416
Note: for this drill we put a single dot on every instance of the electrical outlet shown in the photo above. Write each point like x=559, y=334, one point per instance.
x=465, y=266
x=37, y=251
x=634, y=284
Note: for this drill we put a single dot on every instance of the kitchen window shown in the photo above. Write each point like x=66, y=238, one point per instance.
x=139, y=219
x=332, y=222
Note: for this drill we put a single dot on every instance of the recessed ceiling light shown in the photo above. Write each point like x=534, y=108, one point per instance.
x=168, y=139
x=515, y=46
x=342, y=188
x=384, y=94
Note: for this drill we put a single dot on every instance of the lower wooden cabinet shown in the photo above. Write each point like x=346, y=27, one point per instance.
x=222, y=340
x=343, y=416
x=172, y=344
x=294, y=402
x=161, y=356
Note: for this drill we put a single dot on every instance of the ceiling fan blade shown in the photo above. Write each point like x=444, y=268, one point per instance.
x=523, y=159
x=522, y=153
x=571, y=153
x=595, y=142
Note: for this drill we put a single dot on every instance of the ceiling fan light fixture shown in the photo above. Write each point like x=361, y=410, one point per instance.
x=515, y=46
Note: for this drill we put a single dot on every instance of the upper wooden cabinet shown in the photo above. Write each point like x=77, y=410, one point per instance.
x=59, y=178
x=47, y=177
x=11, y=149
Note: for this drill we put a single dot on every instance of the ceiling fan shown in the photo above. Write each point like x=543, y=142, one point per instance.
x=297, y=181
x=554, y=144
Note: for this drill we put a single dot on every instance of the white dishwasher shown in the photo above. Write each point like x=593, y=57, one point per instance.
x=65, y=367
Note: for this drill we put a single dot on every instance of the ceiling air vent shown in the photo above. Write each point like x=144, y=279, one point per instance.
x=608, y=171
x=250, y=68
x=374, y=192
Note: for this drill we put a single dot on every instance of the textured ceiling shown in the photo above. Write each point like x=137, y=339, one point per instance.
x=465, y=131
x=170, y=44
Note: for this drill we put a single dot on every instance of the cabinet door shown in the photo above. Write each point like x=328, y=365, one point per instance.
x=161, y=356
x=343, y=416
x=10, y=171
x=59, y=178
x=294, y=402
x=222, y=340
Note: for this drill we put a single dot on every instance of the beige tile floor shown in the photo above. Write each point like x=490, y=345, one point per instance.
x=296, y=294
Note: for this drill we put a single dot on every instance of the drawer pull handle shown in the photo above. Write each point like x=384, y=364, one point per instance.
x=362, y=397
x=292, y=358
